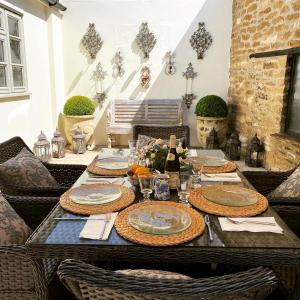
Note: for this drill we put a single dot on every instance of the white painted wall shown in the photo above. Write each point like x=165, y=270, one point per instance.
x=26, y=116
x=172, y=22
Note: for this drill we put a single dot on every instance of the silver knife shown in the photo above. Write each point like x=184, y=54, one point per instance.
x=207, y=222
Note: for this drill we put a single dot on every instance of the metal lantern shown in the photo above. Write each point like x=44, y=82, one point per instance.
x=254, y=153
x=41, y=148
x=233, y=147
x=212, y=141
x=79, y=143
x=58, y=145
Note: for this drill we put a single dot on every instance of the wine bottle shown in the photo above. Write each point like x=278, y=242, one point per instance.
x=172, y=166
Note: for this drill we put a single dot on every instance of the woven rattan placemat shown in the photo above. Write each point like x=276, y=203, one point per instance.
x=197, y=199
x=126, y=199
x=93, y=168
x=129, y=233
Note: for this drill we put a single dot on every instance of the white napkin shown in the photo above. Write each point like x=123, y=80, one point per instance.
x=98, y=229
x=193, y=152
x=251, y=227
x=119, y=180
x=232, y=177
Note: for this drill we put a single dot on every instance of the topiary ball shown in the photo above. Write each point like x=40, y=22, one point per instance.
x=211, y=106
x=79, y=106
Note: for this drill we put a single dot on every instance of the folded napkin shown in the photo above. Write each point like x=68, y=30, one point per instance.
x=98, y=229
x=232, y=177
x=226, y=225
x=119, y=180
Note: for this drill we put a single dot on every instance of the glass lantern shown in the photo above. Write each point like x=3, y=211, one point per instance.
x=41, y=148
x=58, y=145
x=79, y=143
x=212, y=141
x=233, y=147
x=254, y=153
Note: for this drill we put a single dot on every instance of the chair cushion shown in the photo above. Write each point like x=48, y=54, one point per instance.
x=288, y=188
x=145, y=140
x=26, y=170
x=153, y=274
x=13, y=230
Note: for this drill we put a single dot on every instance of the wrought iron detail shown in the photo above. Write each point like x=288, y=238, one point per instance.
x=188, y=99
x=99, y=74
x=145, y=40
x=145, y=77
x=189, y=73
x=201, y=40
x=170, y=68
x=92, y=41
x=118, y=65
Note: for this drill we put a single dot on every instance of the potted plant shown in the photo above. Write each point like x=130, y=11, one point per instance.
x=78, y=111
x=211, y=112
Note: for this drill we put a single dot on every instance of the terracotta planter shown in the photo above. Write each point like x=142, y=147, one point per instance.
x=70, y=123
x=206, y=124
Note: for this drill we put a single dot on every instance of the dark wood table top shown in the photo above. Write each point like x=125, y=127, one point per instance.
x=60, y=239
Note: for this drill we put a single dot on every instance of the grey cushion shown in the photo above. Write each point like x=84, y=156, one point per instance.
x=289, y=188
x=13, y=230
x=26, y=170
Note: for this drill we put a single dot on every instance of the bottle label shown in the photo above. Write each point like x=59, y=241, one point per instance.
x=174, y=177
x=171, y=156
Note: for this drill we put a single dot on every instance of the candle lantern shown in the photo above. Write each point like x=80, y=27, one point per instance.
x=254, y=153
x=41, y=148
x=233, y=147
x=79, y=143
x=58, y=145
x=212, y=141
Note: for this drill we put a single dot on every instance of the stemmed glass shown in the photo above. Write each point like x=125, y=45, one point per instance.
x=183, y=188
x=132, y=145
x=146, y=185
x=194, y=181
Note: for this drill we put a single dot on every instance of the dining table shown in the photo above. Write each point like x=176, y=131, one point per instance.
x=60, y=239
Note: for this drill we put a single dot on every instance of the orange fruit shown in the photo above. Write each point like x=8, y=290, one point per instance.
x=134, y=167
x=145, y=174
x=141, y=170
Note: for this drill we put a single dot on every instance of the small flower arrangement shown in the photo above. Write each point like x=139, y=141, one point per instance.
x=157, y=154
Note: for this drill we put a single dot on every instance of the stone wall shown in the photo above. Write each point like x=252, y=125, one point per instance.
x=258, y=86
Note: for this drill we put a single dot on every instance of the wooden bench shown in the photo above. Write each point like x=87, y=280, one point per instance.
x=124, y=114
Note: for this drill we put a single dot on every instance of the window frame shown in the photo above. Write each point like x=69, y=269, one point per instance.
x=6, y=37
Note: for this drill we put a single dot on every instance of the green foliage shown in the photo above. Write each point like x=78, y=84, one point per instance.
x=79, y=106
x=211, y=106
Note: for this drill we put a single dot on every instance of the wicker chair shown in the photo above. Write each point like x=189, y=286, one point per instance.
x=163, y=132
x=35, y=203
x=89, y=282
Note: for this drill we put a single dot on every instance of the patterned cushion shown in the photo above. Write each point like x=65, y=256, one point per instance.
x=26, y=170
x=145, y=140
x=153, y=274
x=290, y=187
x=13, y=229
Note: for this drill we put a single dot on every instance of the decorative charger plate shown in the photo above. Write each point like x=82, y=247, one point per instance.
x=112, y=163
x=159, y=219
x=107, y=167
x=126, y=198
x=208, y=161
x=198, y=199
x=129, y=232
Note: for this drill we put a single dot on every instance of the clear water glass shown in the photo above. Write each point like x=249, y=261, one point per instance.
x=132, y=145
x=183, y=188
x=194, y=182
x=146, y=185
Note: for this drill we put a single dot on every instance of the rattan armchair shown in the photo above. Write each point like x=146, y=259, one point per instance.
x=163, y=132
x=35, y=203
x=89, y=282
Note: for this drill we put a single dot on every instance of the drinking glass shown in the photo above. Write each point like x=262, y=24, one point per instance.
x=132, y=145
x=194, y=182
x=146, y=185
x=183, y=188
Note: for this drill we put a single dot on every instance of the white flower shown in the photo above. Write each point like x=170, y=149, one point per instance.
x=180, y=159
x=153, y=155
x=165, y=146
x=179, y=150
x=141, y=155
x=159, y=142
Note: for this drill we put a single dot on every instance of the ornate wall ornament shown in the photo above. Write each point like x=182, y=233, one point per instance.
x=99, y=75
x=92, y=41
x=145, y=77
x=118, y=70
x=170, y=68
x=145, y=40
x=201, y=40
x=189, y=75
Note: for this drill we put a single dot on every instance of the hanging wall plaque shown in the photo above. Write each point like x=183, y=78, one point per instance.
x=145, y=77
x=92, y=41
x=170, y=68
x=145, y=40
x=118, y=70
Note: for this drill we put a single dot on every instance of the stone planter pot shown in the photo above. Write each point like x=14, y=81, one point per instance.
x=206, y=124
x=70, y=123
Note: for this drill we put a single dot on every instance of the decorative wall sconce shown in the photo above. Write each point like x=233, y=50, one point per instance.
x=118, y=65
x=99, y=75
x=189, y=75
x=145, y=77
x=145, y=40
x=201, y=40
x=92, y=41
x=170, y=68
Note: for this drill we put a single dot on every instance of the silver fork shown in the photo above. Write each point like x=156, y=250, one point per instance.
x=250, y=221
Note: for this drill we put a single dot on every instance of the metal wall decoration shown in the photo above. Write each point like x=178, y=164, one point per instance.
x=92, y=41
x=145, y=40
x=189, y=75
x=201, y=40
x=170, y=68
x=118, y=70
x=99, y=75
x=145, y=77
